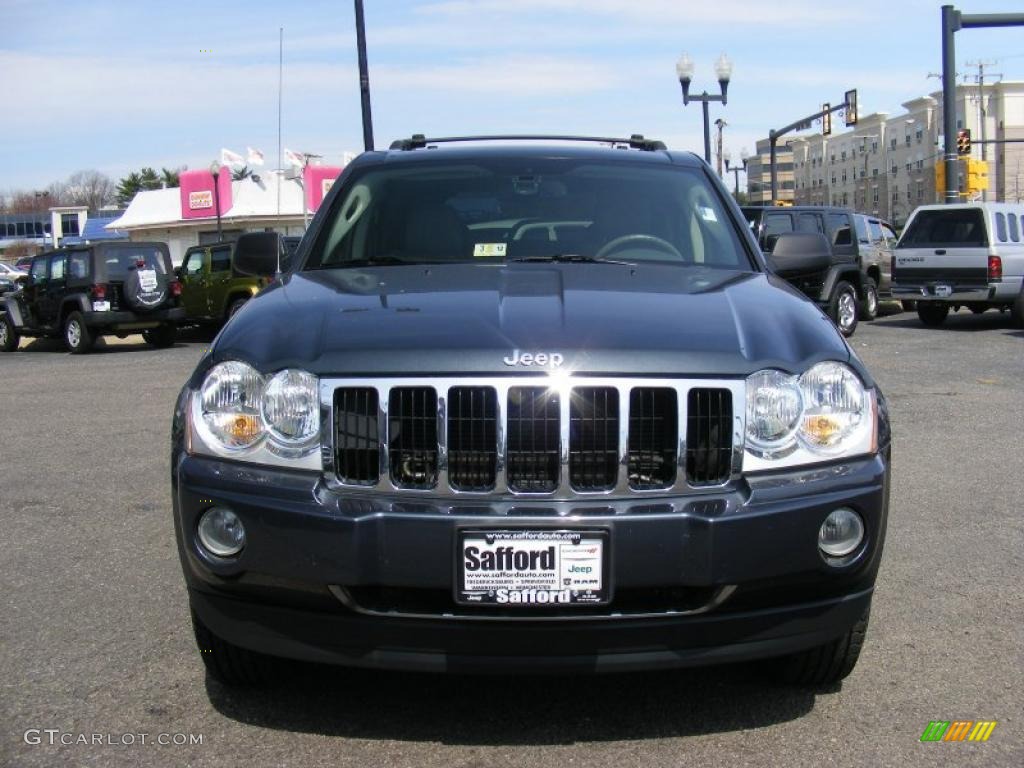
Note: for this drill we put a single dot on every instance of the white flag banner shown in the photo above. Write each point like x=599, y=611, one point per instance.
x=253, y=156
x=227, y=157
x=295, y=158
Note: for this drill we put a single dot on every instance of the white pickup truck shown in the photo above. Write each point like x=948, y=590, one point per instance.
x=962, y=255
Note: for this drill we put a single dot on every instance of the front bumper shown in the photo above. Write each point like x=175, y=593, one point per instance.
x=742, y=568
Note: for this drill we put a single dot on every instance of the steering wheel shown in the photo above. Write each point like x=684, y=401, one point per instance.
x=648, y=240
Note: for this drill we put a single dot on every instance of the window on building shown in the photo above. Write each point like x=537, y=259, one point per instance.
x=843, y=156
x=907, y=139
x=863, y=172
x=833, y=177
x=892, y=143
x=846, y=199
x=69, y=224
x=874, y=172
x=844, y=175
x=874, y=146
x=919, y=134
x=895, y=196
x=894, y=169
x=909, y=164
x=874, y=195
x=920, y=191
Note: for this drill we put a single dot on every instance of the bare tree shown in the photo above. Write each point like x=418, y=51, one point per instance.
x=90, y=188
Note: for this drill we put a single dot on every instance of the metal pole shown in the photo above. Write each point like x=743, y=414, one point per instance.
x=364, y=78
x=719, y=124
x=981, y=116
x=772, y=138
x=280, y=89
x=216, y=204
x=707, y=130
x=950, y=24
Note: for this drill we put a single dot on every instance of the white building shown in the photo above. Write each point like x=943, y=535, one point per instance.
x=255, y=205
x=886, y=165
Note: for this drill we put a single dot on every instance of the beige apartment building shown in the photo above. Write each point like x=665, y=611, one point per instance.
x=886, y=165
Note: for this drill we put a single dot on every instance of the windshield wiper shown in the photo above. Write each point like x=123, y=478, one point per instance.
x=573, y=258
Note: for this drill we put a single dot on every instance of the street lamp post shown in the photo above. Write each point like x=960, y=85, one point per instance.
x=735, y=170
x=215, y=170
x=723, y=71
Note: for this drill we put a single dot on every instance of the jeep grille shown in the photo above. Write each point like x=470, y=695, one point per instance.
x=534, y=435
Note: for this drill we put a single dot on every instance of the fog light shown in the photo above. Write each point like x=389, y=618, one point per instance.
x=221, y=532
x=841, y=533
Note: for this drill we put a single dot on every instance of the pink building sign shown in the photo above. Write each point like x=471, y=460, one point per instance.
x=317, y=181
x=197, y=198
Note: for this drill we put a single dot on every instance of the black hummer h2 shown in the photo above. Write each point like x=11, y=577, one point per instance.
x=82, y=292
x=529, y=405
x=840, y=280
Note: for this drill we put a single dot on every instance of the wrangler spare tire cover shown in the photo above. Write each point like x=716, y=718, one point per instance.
x=145, y=288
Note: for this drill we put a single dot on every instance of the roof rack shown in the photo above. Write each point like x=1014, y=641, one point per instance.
x=636, y=141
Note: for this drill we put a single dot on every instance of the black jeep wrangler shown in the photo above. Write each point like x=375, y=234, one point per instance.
x=529, y=405
x=83, y=292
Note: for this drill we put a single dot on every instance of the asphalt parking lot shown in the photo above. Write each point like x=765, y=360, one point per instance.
x=95, y=637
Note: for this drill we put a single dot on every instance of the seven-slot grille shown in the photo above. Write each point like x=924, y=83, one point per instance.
x=483, y=436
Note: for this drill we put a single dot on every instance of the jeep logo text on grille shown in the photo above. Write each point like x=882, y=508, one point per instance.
x=552, y=359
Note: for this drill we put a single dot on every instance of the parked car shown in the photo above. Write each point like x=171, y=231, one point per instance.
x=529, y=406
x=212, y=289
x=962, y=255
x=12, y=273
x=876, y=240
x=843, y=287
x=87, y=291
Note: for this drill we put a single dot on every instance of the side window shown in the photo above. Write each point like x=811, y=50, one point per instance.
x=1011, y=221
x=38, y=271
x=220, y=259
x=890, y=235
x=78, y=266
x=57, y=267
x=194, y=263
x=875, y=230
x=1001, y=227
x=776, y=224
x=860, y=222
x=842, y=232
x=810, y=222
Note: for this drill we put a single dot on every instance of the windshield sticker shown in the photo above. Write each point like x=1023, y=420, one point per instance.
x=708, y=214
x=488, y=250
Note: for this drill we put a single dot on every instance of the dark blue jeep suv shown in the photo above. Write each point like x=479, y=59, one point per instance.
x=530, y=405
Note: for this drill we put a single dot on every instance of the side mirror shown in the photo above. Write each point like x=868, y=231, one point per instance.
x=258, y=254
x=800, y=253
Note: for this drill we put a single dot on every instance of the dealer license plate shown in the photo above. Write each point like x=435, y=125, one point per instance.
x=530, y=568
x=943, y=290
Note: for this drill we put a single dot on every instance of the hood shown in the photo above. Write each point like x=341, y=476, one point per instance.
x=467, y=319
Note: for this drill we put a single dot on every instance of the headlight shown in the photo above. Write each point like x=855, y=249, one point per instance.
x=239, y=414
x=793, y=420
x=291, y=408
x=231, y=396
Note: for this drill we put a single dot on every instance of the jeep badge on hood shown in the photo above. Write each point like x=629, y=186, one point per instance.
x=552, y=359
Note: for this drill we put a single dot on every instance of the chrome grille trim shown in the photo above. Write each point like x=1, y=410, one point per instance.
x=502, y=384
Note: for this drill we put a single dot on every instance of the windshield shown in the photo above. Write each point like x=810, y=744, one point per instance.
x=495, y=211
x=118, y=261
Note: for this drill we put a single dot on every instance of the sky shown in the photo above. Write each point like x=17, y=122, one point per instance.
x=120, y=85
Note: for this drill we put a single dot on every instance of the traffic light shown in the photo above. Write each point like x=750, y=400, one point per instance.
x=850, y=111
x=977, y=176
x=963, y=141
x=826, y=119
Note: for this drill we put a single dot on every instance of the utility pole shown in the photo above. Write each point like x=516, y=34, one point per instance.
x=719, y=124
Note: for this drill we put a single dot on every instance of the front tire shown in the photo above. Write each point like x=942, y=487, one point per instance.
x=227, y=663
x=826, y=664
x=842, y=308
x=869, y=306
x=9, y=336
x=932, y=313
x=161, y=337
x=77, y=336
